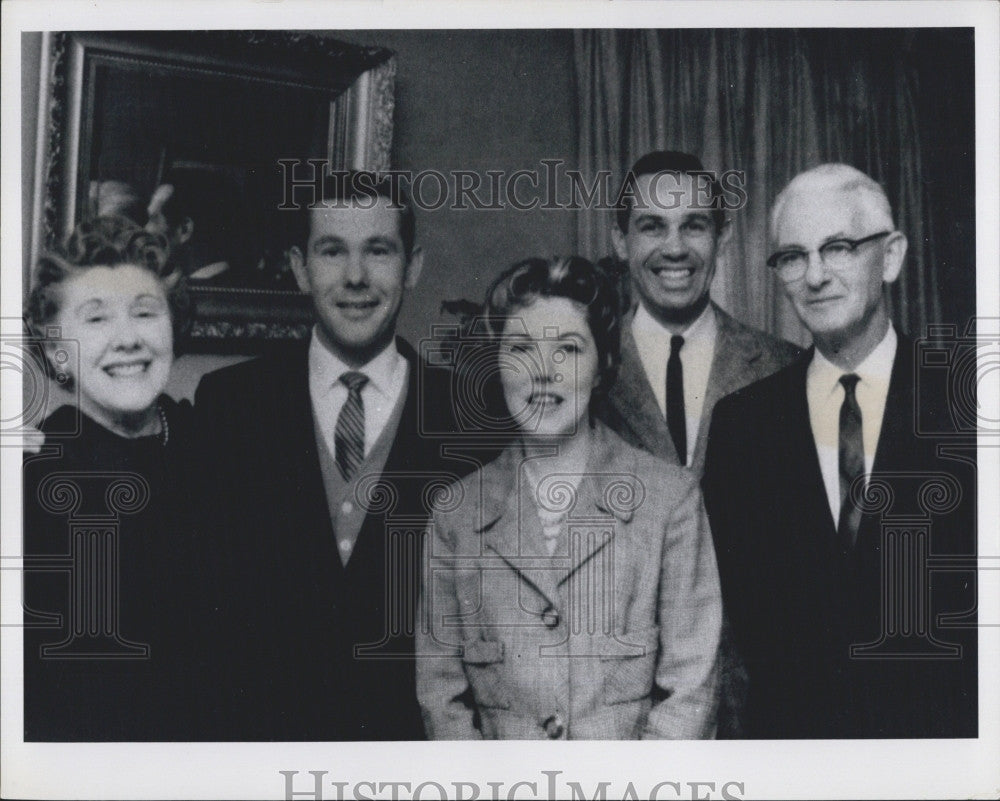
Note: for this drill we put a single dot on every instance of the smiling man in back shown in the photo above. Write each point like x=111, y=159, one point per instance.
x=681, y=353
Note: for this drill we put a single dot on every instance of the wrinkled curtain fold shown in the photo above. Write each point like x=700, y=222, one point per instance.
x=769, y=104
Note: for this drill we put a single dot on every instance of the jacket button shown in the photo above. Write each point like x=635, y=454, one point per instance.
x=550, y=617
x=554, y=728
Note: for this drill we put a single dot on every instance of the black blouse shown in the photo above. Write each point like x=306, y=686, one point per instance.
x=111, y=583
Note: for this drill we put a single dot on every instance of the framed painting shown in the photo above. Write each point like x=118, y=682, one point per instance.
x=233, y=118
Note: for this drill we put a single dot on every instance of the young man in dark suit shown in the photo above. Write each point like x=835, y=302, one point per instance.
x=829, y=511
x=325, y=472
x=681, y=353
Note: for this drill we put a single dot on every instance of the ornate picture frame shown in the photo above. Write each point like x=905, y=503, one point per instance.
x=201, y=94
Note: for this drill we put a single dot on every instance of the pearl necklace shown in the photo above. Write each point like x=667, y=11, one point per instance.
x=164, y=425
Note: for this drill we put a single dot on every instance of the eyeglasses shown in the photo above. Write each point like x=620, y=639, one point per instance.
x=837, y=254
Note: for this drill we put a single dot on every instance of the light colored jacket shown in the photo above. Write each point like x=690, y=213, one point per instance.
x=615, y=636
x=743, y=355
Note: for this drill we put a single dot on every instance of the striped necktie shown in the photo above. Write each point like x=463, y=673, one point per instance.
x=349, y=435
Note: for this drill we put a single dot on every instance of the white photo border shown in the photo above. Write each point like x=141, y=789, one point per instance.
x=786, y=769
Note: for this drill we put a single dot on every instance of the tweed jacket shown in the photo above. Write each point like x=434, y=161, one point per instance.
x=615, y=636
x=743, y=355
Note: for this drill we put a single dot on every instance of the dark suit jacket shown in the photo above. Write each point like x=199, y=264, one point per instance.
x=308, y=649
x=796, y=603
x=742, y=355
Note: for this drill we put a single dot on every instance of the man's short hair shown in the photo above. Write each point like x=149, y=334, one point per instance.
x=214, y=203
x=672, y=161
x=363, y=187
x=837, y=178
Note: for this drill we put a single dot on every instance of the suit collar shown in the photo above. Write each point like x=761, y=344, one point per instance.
x=510, y=526
x=634, y=401
x=650, y=330
x=294, y=405
x=633, y=398
x=734, y=352
x=899, y=419
x=875, y=369
x=733, y=335
x=610, y=459
x=291, y=385
x=326, y=368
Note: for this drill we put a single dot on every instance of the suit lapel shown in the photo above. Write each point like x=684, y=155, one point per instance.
x=734, y=353
x=509, y=525
x=511, y=529
x=296, y=442
x=635, y=402
x=898, y=421
x=596, y=517
x=298, y=437
x=895, y=441
x=408, y=454
x=404, y=453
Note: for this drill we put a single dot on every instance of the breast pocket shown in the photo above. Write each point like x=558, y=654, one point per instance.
x=629, y=665
x=484, y=662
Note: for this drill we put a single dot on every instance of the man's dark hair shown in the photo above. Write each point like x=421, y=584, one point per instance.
x=363, y=187
x=672, y=161
x=214, y=203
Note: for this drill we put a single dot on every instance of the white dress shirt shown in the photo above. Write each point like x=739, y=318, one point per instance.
x=387, y=375
x=825, y=394
x=652, y=341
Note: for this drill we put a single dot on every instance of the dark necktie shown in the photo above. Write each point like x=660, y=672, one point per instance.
x=851, y=458
x=675, y=399
x=349, y=435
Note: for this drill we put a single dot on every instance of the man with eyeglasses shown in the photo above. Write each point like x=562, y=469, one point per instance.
x=800, y=469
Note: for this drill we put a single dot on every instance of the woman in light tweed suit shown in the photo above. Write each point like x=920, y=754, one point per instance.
x=570, y=587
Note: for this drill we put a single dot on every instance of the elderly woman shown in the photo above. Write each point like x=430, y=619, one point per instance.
x=108, y=516
x=570, y=587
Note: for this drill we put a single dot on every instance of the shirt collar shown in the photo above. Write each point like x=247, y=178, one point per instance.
x=326, y=368
x=645, y=326
x=876, y=366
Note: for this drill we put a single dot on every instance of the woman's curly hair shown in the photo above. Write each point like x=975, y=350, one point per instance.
x=573, y=278
x=109, y=241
